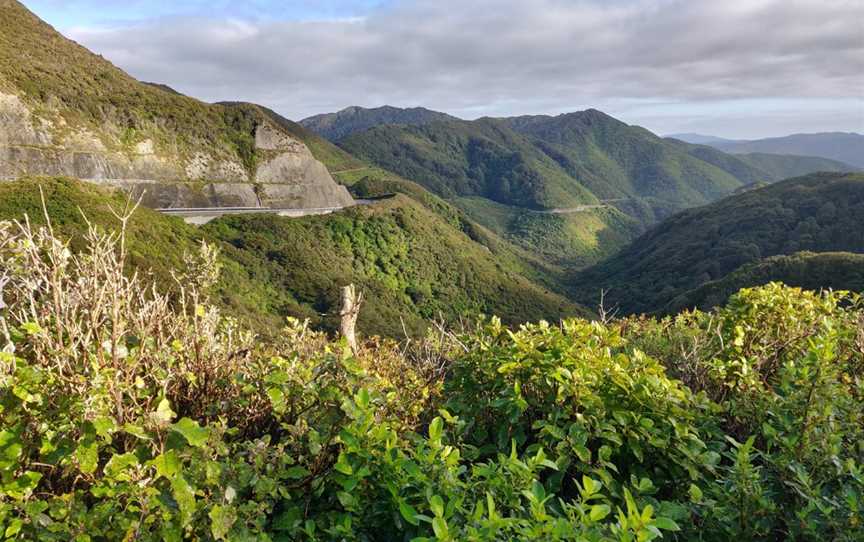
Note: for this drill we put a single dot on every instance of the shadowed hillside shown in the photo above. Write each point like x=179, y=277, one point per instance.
x=818, y=213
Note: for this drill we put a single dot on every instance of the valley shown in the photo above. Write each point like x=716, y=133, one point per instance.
x=386, y=323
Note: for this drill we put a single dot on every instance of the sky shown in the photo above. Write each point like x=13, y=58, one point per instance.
x=729, y=68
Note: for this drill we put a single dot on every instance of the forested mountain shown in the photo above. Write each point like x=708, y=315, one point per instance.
x=339, y=125
x=615, y=179
x=847, y=147
x=817, y=213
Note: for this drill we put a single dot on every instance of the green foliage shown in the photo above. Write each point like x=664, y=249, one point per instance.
x=413, y=266
x=813, y=213
x=808, y=270
x=170, y=422
x=572, y=240
x=786, y=366
x=420, y=262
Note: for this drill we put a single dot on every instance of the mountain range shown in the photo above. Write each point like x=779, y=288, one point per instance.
x=526, y=217
x=516, y=175
x=845, y=147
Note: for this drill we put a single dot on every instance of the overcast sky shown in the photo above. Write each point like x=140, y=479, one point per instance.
x=733, y=68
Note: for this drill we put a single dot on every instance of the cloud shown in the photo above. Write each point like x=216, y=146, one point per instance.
x=502, y=57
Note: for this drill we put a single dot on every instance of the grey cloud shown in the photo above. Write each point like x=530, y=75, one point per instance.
x=512, y=56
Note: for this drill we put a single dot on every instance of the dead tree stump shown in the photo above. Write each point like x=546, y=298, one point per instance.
x=351, y=300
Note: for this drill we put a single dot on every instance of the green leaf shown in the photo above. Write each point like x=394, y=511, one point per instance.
x=13, y=528
x=439, y=525
x=222, y=518
x=695, y=493
x=666, y=524
x=362, y=398
x=409, y=513
x=591, y=486
x=167, y=464
x=346, y=499
x=87, y=455
x=583, y=453
x=599, y=511
x=31, y=328
x=118, y=464
x=192, y=432
x=22, y=486
x=163, y=414
x=296, y=472
x=436, y=429
x=184, y=494
x=277, y=399
x=137, y=431
x=437, y=505
x=343, y=466
x=10, y=449
x=104, y=426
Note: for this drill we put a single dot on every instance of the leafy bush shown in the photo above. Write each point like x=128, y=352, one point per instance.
x=126, y=413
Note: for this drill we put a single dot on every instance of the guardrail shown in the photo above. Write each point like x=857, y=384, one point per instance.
x=227, y=210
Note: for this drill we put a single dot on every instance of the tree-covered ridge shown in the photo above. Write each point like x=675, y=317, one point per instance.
x=819, y=213
x=421, y=262
x=808, y=270
x=616, y=160
x=90, y=92
x=76, y=98
x=130, y=414
x=494, y=169
x=339, y=125
x=460, y=158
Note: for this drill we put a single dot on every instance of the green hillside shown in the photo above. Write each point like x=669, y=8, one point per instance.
x=91, y=92
x=339, y=125
x=377, y=183
x=567, y=240
x=819, y=213
x=808, y=270
x=615, y=160
x=412, y=263
x=501, y=172
x=481, y=158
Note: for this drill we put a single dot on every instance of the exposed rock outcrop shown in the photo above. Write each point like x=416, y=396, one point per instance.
x=286, y=175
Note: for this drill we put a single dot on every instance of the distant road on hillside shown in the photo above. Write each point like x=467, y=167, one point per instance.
x=579, y=208
x=203, y=215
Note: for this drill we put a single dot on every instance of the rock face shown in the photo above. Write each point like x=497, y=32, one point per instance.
x=286, y=174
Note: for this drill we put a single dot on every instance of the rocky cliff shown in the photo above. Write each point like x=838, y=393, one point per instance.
x=65, y=111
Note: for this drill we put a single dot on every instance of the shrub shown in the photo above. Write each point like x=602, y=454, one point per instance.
x=126, y=413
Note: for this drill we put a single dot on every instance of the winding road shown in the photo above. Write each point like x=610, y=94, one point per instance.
x=203, y=215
